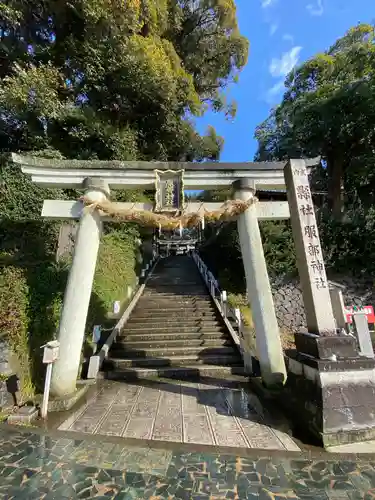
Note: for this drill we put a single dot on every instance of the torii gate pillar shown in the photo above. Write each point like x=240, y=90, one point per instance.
x=271, y=359
x=78, y=293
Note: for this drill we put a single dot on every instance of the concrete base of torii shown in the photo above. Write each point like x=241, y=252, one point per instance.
x=78, y=293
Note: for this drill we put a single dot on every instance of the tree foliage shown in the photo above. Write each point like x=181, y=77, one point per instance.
x=111, y=79
x=328, y=109
x=97, y=79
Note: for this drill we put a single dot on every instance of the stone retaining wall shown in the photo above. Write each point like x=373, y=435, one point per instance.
x=289, y=305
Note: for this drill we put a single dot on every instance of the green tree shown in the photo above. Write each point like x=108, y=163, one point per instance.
x=112, y=79
x=97, y=79
x=329, y=109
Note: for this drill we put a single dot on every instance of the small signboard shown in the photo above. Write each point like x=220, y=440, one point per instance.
x=368, y=310
x=51, y=351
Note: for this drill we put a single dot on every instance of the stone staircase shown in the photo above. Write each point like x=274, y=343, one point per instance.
x=174, y=331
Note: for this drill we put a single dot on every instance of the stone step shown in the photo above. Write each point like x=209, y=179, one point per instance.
x=173, y=322
x=124, y=343
x=180, y=292
x=177, y=330
x=178, y=272
x=175, y=287
x=180, y=314
x=217, y=360
x=170, y=351
x=173, y=307
x=180, y=373
x=175, y=299
x=162, y=316
x=151, y=336
x=188, y=281
x=191, y=276
x=173, y=292
x=160, y=313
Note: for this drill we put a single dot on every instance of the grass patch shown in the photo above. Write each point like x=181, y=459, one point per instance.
x=287, y=340
x=240, y=302
x=14, y=322
x=31, y=296
x=116, y=270
x=4, y=416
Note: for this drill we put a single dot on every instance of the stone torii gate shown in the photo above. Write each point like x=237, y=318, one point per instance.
x=96, y=178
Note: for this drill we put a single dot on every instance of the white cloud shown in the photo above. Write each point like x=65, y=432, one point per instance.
x=277, y=88
x=274, y=27
x=316, y=9
x=281, y=67
x=267, y=3
x=273, y=94
x=288, y=37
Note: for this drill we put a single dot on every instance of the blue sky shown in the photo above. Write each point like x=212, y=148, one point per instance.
x=282, y=33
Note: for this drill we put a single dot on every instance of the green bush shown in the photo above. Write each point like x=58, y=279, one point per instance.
x=278, y=246
x=14, y=321
x=32, y=290
x=116, y=270
x=32, y=283
x=223, y=255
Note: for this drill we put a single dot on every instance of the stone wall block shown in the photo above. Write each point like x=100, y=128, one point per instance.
x=290, y=311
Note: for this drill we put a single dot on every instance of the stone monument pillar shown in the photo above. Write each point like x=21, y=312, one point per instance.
x=78, y=293
x=315, y=290
x=330, y=388
x=268, y=341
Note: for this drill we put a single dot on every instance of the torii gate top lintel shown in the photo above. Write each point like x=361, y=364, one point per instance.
x=141, y=174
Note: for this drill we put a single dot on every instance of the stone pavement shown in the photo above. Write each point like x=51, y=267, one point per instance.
x=39, y=465
x=221, y=413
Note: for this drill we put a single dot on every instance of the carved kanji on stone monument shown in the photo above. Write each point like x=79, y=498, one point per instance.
x=310, y=262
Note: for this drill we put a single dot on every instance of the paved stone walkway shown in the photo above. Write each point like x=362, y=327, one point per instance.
x=219, y=414
x=42, y=466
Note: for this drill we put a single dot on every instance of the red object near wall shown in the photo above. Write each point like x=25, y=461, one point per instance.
x=368, y=310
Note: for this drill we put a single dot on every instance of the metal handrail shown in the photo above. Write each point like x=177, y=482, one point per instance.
x=232, y=316
x=213, y=286
x=97, y=359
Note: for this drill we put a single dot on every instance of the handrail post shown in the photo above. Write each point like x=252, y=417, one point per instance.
x=224, y=303
x=212, y=287
x=237, y=313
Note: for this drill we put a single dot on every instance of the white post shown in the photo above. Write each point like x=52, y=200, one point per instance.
x=338, y=308
x=47, y=385
x=268, y=341
x=211, y=283
x=78, y=293
x=237, y=313
x=50, y=355
x=224, y=303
